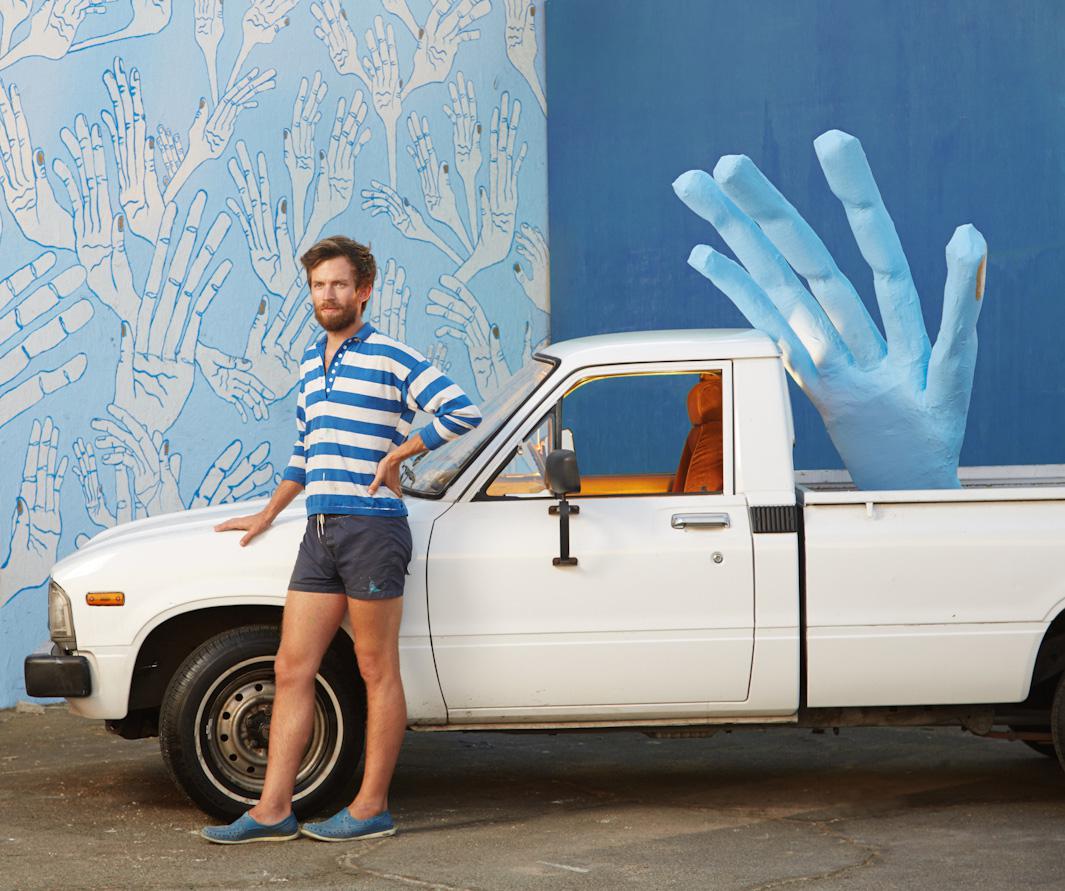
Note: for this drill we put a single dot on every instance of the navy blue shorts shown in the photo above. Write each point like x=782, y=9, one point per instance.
x=363, y=557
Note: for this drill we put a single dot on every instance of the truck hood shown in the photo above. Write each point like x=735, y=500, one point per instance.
x=192, y=525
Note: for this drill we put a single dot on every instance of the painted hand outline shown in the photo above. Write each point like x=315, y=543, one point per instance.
x=275, y=348
x=389, y=301
x=88, y=474
x=266, y=233
x=465, y=320
x=157, y=359
x=25, y=182
x=53, y=29
x=17, y=349
x=233, y=476
x=149, y=17
x=231, y=379
x=466, y=135
x=263, y=21
x=298, y=144
x=99, y=236
x=437, y=355
x=877, y=397
x=382, y=198
x=139, y=194
x=209, y=31
x=210, y=134
x=37, y=524
x=385, y=84
x=171, y=151
x=446, y=28
x=335, y=185
x=499, y=203
x=520, y=35
x=532, y=245
x=14, y=13
x=154, y=472
x=435, y=179
x=340, y=41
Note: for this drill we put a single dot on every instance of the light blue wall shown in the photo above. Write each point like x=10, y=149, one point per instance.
x=960, y=105
x=56, y=70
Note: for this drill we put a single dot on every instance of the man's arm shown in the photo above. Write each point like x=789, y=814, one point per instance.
x=260, y=522
x=431, y=391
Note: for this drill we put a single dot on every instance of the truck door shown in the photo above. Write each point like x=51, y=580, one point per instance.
x=657, y=617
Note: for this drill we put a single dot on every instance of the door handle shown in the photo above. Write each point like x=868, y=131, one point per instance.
x=683, y=521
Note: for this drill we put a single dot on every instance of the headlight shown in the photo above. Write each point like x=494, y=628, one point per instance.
x=60, y=618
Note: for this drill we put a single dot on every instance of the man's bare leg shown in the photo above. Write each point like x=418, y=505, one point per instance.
x=376, y=627
x=307, y=628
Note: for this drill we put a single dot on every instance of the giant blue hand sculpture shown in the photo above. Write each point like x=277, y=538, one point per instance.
x=895, y=409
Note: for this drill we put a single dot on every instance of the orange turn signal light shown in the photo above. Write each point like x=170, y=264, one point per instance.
x=105, y=598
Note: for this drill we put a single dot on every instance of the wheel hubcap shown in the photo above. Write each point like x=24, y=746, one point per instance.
x=238, y=729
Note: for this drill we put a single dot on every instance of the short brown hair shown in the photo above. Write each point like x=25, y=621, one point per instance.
x=358, y=255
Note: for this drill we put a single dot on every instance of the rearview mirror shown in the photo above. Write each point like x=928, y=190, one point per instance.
x=563, y=477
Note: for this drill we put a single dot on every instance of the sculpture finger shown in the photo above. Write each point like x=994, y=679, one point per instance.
x=953, y=360
x=849, y=176
x=746, y=185
x=736, y=284
x=764, y=264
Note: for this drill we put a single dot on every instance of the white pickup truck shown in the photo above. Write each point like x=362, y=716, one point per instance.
x=693, y=582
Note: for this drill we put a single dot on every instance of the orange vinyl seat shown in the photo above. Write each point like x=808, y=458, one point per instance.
x=701, y=466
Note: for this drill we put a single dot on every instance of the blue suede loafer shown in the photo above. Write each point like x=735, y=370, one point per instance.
x=246, y=829
x=344, y=827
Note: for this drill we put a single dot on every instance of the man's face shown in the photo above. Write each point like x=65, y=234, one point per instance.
x=337, y=303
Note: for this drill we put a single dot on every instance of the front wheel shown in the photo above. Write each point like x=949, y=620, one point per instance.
x=214, y=726
x=1057, y=720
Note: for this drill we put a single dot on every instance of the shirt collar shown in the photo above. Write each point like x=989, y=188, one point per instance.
x=362, y=334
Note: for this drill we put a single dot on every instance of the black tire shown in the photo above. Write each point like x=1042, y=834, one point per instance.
x=1057, y=720
x=215, y=718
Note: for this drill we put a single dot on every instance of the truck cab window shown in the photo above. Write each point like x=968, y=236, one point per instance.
x=634, y=434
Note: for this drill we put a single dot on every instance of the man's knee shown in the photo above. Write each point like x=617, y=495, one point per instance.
x=293, y=668
x=377, y=665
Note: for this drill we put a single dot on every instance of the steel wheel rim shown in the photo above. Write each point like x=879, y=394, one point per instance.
x=234, y=728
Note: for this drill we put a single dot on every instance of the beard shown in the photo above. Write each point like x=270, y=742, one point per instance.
x=337, y=321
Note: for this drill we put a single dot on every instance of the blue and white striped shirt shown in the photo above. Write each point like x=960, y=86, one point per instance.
x=350, y=416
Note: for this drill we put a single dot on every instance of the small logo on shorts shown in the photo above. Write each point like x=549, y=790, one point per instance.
x=373, y=587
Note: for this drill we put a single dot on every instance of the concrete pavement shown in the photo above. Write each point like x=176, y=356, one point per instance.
x=869, y=809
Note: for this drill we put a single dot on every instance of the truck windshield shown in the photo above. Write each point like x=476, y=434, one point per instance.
x=430, y=473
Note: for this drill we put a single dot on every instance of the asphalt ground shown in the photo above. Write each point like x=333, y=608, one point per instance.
x=868, y=809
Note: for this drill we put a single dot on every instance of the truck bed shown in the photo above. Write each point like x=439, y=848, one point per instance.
x=930, y=596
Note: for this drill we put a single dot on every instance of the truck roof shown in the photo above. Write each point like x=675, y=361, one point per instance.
x=659, y=346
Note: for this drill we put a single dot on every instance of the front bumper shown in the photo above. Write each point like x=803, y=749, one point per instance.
x=57, y=675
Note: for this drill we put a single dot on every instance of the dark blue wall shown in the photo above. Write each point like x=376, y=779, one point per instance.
x=961, y=109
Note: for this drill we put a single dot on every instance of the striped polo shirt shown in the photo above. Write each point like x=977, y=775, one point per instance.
x=349, y=416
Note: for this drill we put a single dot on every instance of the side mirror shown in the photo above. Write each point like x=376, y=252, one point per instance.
x=563, y=477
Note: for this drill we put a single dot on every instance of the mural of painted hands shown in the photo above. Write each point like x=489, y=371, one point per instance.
x=521, y=44
x=149, y=17
x=464, y=318
x=158, y=357
x=37, y=525
x=275, y=346
x=334, y=186
x=210, y=133
x=895, y=408
x=21, y=342
x=389, y=301
x=52, y=28
x=26, y=188
x=139, y=194
x=234, y=476
x=99, y=235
